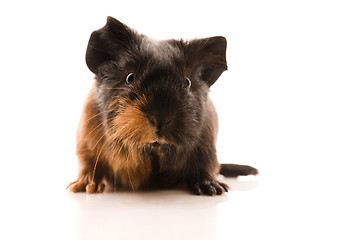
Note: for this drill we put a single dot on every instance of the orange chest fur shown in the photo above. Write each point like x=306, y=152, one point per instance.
x=122, y=162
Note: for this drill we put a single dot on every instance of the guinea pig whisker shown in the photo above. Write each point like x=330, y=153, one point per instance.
x=94, y=116
x=130, y=179
x=106, y=132
x=115, y=180
x=100, y=124
x=100, y=151
x=96, y=127
x=127, y=162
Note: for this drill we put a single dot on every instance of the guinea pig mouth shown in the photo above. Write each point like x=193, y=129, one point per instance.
x=155, y=144
x=159, y=142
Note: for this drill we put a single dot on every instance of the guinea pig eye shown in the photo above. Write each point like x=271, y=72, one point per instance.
x=130, y=78
x=189, y=83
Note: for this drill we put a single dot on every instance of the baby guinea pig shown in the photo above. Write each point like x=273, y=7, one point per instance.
x=148, y=122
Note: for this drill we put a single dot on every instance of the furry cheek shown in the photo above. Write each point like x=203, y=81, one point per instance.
x=131, y=124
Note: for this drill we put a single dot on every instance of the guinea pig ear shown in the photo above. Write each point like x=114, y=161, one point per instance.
x=107, y=43
x=208, y=57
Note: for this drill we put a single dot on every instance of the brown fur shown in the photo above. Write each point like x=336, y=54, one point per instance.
x=96, y=144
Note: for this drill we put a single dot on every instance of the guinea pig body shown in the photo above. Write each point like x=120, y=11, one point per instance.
x=148, y=121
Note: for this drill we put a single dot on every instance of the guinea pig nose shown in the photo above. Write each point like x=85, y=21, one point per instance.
x=164, y=128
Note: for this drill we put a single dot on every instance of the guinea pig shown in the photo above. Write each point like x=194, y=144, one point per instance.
x=148, y=122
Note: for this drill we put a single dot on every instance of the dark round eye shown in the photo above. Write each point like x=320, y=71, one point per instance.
x=130, y=78
x=189, y=83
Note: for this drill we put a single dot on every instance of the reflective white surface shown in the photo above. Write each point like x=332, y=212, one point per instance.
x=289, y=105
x=255, y=208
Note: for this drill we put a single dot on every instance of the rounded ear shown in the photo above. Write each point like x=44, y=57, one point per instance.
x=207, y=56
x=107, y=43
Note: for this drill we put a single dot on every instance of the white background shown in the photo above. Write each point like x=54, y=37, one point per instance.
x=289, y=105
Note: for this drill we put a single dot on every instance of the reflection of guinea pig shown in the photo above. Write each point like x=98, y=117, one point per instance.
x=148, y=121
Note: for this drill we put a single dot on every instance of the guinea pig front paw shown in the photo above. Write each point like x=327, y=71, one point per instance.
x=95, y=187
x=210, y=187
x=83, y=186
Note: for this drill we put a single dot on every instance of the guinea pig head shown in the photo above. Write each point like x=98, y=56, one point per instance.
x=150, y=92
